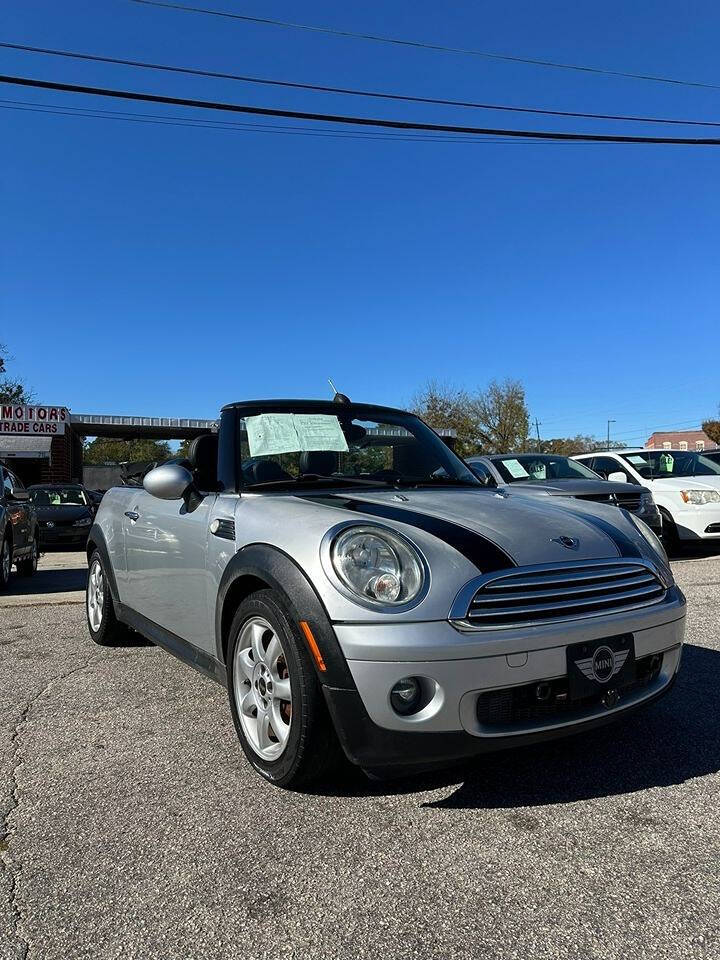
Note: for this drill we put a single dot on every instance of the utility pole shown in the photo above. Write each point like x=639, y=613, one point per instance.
x=608, y=436
x=537, y=431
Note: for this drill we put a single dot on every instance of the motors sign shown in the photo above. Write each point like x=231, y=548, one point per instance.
x=33, y=421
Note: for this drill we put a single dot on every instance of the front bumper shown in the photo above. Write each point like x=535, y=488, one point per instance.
x=63, y=536
x=464, y=666
x=693, y=520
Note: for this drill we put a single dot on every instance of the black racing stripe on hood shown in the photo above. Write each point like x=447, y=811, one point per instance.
x=624, y=544
x=486, y=555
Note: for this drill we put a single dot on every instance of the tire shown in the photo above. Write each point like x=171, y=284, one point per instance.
x=27, y=567
x=670, y=538
x=104, y=626
x=292, y=742
x=5, y=562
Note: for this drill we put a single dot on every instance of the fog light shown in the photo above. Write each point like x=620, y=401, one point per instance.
x=405, y=695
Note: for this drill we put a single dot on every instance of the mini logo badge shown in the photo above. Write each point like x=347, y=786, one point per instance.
x=572, y=543
x=603, y=664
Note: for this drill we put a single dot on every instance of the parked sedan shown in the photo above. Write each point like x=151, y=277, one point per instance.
x=65, y=514
x=556, y=476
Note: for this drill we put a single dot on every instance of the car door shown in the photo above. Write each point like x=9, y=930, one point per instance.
x=18, y=511
x=166, y=553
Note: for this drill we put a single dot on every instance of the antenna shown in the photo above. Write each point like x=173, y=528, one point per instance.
x=339, y=397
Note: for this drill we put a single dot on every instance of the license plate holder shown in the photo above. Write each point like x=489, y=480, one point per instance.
x=599, y=665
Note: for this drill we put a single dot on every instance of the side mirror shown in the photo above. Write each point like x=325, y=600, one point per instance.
x=484, y=478
x=618, y=476
x=19, y=495
x=169, y=482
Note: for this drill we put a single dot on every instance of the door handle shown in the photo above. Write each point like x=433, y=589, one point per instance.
x=132, y=515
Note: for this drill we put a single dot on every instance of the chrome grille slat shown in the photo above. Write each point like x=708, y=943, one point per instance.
x=589, y=591
x=563, y=577
x=537, y=595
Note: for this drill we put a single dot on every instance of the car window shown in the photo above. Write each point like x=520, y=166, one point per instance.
x=658, y=464
x=59, y=497
x=540, y=467
x=7, y=482
x=15, y=481
x=607, y=465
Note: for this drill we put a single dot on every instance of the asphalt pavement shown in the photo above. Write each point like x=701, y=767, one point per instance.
x=132, y=827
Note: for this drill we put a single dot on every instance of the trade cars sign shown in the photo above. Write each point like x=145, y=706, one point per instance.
x=32, y=421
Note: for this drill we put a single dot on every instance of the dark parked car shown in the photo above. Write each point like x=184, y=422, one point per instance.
x=18, y=528
x=65, y=513
x=544, y=473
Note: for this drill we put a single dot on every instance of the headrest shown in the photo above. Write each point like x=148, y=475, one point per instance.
x=322, y=462
x=203, y=455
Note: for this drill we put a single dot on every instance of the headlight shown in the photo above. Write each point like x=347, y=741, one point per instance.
x=700, y=496
x=377, y=565
x=84, y=522
x=647, y=501
x=654, y=542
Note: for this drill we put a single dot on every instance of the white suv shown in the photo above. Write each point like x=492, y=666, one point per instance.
x=685, y=485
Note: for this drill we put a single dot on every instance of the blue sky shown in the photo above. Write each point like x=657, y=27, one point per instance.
x=167, y=270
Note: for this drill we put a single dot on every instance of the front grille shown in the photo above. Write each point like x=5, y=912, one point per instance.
x=540, y=594
x=628, y=501
x=520, y=706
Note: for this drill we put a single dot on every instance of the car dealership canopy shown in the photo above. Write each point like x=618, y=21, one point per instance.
x=45, y=442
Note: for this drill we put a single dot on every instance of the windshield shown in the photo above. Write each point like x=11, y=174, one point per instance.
x=303, y=449
x=656, y=464
x=536, y=467
x=58, y=497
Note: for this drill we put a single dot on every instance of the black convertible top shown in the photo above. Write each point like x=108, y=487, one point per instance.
x=248, y=408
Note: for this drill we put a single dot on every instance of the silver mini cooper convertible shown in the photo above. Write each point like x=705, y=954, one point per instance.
x=354, y=587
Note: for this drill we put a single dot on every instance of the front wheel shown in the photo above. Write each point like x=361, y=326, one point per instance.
x=28, y=566
x=669, y=536
x=105, y=628
x=276, y=701
x=5, y=562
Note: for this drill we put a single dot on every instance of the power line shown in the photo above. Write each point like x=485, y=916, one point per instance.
x=350, y=120
x=345, y=91
x=375, y=38
x=91, y=114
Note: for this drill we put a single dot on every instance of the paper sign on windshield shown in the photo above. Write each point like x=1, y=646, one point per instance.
x=274, y=433
x=320, y=431
x=516, y=469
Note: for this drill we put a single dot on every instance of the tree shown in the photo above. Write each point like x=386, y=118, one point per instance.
x=712, y=429
x=569, y=446
x=107, y=450
x=11, y=391
x=183, y=449
x=492, y=421
x=501, y=417
x=443, y=406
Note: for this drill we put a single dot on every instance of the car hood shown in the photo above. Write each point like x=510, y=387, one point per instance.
x=685, y=483
x=574, y=487
x=65, y=514
x=526, y=528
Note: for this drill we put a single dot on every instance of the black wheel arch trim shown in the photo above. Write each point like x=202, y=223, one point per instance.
x=96, y=541
x=281, y=572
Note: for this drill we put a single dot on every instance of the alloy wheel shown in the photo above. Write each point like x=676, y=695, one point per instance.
x=6, y=561
x=95, y=595
x=261, y=686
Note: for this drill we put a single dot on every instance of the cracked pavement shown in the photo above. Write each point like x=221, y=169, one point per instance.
x=132, y=827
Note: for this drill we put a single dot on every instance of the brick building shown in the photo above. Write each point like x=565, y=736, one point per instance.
x=681, y=440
